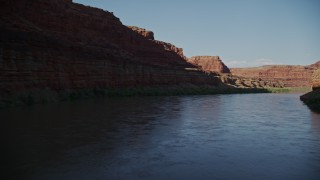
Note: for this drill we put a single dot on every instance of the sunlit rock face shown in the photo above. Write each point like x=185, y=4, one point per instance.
x=209, y=64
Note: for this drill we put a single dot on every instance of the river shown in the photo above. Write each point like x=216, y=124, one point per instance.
x=248, y=136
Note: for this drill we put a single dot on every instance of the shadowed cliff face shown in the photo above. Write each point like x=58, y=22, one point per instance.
x=60, y=45
x=291, y=76
x=312, y=99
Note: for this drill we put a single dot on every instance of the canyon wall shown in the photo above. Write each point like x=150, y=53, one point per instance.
x=59, y=45
x=291, y=76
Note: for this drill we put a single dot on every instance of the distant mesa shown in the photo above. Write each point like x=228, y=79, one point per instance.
x=145, y=33
x=209, y=64
x=215, y=66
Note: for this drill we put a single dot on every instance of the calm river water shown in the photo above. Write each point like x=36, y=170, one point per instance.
x=251, y=136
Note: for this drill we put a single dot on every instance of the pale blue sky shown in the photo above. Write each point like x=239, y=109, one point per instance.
x=241, y=32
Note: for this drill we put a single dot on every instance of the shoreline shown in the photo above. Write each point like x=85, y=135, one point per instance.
x=43, y=96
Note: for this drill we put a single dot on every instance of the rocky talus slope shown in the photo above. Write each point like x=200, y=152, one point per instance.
x=241, y=82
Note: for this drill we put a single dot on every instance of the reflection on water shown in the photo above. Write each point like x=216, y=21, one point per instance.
x=254, y=136
x=315, y=123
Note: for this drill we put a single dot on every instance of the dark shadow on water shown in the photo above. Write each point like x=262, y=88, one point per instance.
x=43, y=134
x=315, y=121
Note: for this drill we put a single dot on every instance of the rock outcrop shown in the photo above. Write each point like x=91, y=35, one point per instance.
x=145, y=33
x=59, y=45
x=209, y=64
x=291, y=76
x=312, y=99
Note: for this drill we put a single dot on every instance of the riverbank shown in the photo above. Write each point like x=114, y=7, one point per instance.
x=42, y=96
x=290, y=90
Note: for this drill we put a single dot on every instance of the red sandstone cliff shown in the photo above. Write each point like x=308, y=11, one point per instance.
x=209, y=64
x=291, y=76
x=60, y=45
